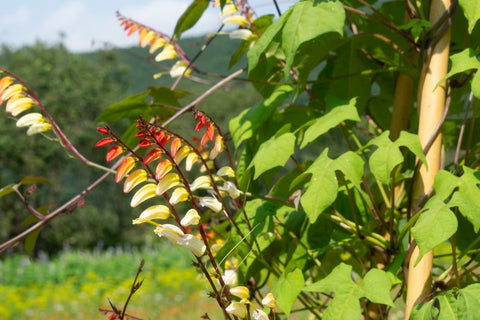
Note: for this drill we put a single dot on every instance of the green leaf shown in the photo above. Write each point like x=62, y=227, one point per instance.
x=448, y=307
x=463, y=61
x=7, y=190
x=190, y=17
x=475, y=84
x=31, y=180
x=248, y=121
x=471, y=10
x=425, y=311
x=436, y=225
x=321, y=125
x=263, y=43
x=287, y=288
x=467, y=198
x=30, y=241
x=130, y=108
x=273, y=153
x=304, y=25
x=388, y=155
x=469, y=302
x=345, y=305
x=322, y=189
x=417, y=26
x=166, y=97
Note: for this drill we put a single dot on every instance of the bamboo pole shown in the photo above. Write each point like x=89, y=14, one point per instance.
x=431, y=104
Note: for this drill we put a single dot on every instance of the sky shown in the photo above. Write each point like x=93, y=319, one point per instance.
x=90, y=24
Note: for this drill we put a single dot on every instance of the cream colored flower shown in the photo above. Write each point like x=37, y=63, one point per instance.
x=242, y=34
x=144, y=193
x=193, y=244
x=179, y=195
x=166, y=183
x=238, y=309
x=169, y=231
x=240, y=20
x=230, y=277
x=192, y=218
x=241, y=291
x=269, y=300
x=191, y=159
x=38, y=127
x=259, y=314
x=30, y=119
x=134, y=179
x=167, y=53
x=211, y=203
x=202, y=182
x=226, y=172
x=154, y=212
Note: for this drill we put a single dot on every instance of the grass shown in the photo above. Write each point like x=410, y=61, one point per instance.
x=75, y=284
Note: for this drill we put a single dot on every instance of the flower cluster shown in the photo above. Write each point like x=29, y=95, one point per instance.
x=159, y=173
x=18, y=101
x=157, y=40
x=240, y=308
x=231, y=14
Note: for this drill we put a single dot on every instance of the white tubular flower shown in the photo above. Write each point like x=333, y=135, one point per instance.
x=238, y=309
x=226, y=172
x=192, y=218
x=38, y=127
x=193, y=244
x=230, y=277
x=242, y=292
x=269, y=300
x=202, y=182
x=211, y=203
x=30, y=119
x=169, y=231
x=259, y=314
x=179, y=68
x=242, y=34
x=179, y=195
x=154, y=212
x=231, y=189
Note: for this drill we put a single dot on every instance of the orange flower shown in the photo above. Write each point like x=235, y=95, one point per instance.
x=174, y=146
x=163, y=167
x=124, y=168
x=113, y=152
x=152, y=155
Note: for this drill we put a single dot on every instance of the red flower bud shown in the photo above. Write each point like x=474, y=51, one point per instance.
x=145, y=143
x=140, y=134
x=104, y=142
x=102, y=130
x=174, y=146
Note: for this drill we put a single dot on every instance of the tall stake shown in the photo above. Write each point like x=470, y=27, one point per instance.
x=431, y=104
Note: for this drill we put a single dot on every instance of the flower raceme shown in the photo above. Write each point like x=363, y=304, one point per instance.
x=19, y=101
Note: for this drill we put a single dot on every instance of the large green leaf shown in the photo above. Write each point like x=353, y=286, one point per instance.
x=309, y=20
x=190, y=17
x=388, y=155
x=436, y=225
x=465, y=61
x=471, y=9
x=287, y=288
x=321, y=125
x=345, y=305
x=273, y=153
x=248, y=121
x=322, y=189
x=129, y=108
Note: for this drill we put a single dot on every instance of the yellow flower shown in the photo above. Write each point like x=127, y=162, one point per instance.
x=166, y=183
x=146, y=38
x=169, y=231
x=242, y=34
x=144, y=193
x=202, y=182
x=154, y=212
x=240, y=20
x=17, y=105
x=134, y=179
x=157, y=44
x=228, y=9
x=193, y=244
x=226, y=172
x=192, y=218
x=181, y=154
x=191, y=159
x=38, y=127
x=179, y=195
x=269, y=300
x=167, y=53
x=10, y=91
x=238, y=309
x=242, y=292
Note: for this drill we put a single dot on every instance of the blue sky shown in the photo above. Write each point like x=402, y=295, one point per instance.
x=88, y=24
